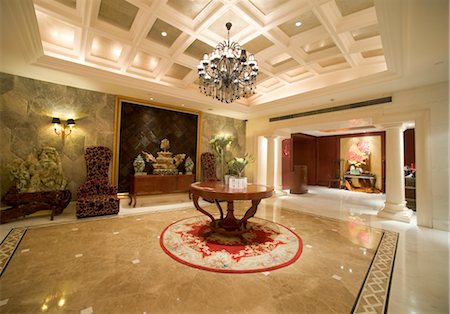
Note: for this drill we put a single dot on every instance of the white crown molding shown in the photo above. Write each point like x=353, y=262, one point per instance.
x=116, y=78
x=316, y=82
x=25, y=20
x=392, y=24
x=299, y=103
x=285, y=88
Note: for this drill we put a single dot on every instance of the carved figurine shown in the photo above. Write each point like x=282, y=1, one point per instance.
x=41, y=171
x=189, y=165
x=164, y=163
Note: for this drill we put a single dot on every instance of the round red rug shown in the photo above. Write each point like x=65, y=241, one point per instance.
x=266, y=246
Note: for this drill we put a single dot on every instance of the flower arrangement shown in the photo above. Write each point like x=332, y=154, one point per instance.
x=238, y=164
x=358, y=153
x=219, y=144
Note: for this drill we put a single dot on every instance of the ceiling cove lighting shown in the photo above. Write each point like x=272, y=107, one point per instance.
x=227, y=74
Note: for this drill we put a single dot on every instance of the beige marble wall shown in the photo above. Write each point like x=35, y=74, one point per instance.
x=213, y=125
x=27, y=107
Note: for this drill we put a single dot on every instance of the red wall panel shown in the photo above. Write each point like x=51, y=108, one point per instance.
x=304, y=153
x=409, y=148
x=321, y=155
x=286, y=163
x=327, y=159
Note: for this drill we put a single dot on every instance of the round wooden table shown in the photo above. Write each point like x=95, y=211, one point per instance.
x=216, y=191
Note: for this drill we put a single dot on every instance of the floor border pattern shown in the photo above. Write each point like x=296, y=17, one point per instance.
x=374, y=294
x=9, y=246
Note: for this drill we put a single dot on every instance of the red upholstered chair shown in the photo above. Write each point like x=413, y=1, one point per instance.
x=97, y=196
x=208, y=166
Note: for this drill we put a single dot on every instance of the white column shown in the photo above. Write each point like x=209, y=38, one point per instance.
x=394, y=206
x=271, y=161
x=277, y=164
x=261, y=174
x=424, y=198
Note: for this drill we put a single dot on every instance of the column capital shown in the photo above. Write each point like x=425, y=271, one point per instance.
x=272, y=136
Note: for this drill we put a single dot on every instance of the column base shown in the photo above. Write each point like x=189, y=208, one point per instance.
x=279, y=192
x=396, y=212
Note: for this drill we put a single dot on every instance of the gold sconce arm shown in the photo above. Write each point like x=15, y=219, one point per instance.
x=65, y=129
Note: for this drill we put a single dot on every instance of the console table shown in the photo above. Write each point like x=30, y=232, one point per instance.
x=371, y=177
x=217, y=191
x=30, y=202
x=157, y=184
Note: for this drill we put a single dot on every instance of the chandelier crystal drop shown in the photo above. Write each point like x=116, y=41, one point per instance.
x=227, y=74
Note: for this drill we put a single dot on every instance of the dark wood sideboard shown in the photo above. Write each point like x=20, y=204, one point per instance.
x=410, y=193
x=28, y=203
x=158, y=184
x=299, y=182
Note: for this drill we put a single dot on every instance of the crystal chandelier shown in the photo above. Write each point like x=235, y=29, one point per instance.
x=227, y=74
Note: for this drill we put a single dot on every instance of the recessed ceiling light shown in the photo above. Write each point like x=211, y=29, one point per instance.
x=298, y=23
x=182, y=105
x=151, y=98
x=117, y=51
x=163, y=34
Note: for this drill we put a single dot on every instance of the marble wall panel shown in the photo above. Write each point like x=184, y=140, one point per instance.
x=7, y=83
x=5, y=140
x=214, y=124
x=27, y=107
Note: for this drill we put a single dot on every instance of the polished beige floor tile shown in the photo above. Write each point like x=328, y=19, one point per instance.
x=420, y=283
x=117, y=266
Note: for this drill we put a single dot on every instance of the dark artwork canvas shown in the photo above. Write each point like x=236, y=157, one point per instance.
x=143, y=127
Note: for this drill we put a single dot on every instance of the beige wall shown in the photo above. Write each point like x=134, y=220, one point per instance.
x=27, y=107
x=427, y=106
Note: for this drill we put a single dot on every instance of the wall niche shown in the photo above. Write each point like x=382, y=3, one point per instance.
x=141, y=127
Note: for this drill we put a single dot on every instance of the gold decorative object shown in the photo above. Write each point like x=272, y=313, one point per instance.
x=164, y=164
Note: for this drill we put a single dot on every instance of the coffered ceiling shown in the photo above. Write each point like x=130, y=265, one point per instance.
x=302, y=46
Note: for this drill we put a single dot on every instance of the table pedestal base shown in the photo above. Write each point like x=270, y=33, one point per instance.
x=230, y=225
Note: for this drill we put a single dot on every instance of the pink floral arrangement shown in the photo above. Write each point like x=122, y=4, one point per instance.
x=358, y=153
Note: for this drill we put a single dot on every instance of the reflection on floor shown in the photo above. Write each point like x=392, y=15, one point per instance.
x=419, y=285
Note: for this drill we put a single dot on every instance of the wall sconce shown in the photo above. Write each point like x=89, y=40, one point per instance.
x=65, y=129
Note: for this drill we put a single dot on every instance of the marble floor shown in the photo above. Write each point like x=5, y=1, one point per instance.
x=420, y=283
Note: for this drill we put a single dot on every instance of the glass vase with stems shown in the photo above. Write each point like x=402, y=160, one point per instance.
x=219, y=144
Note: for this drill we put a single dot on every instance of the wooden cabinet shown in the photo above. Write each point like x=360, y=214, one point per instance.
x=158, y=184
x=299, y=180
x=304, y=152
x=410, y=193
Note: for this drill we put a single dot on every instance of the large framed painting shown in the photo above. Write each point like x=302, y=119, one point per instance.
x=140, y=126
x=364, y=153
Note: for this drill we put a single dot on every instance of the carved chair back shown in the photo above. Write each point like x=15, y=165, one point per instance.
x=98, y=159
x=208, y=164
